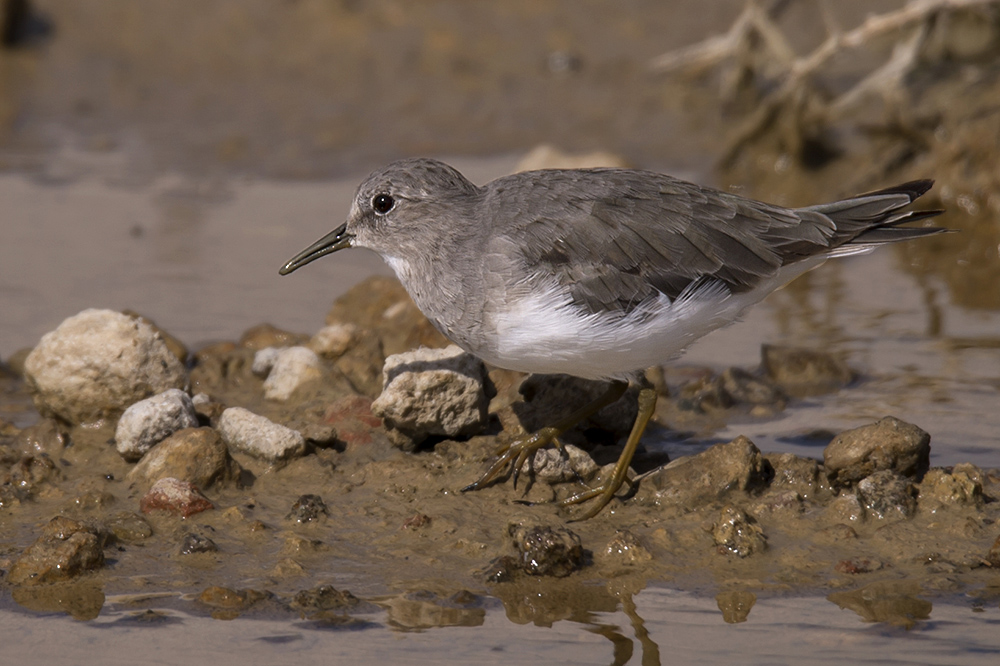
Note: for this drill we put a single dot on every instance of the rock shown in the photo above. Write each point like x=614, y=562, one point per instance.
x=266, y=335
x=150, y=421
x=175, y=346
x=626, y=548
x=382, y=305
x=737, y=533
x=711, y=474
x=258, y=436
x=129, y=527
x=65, y=549
x=263, y=360
x=15, y=362
x=804, y=372
x=432, y=392
x=175, y=496
x=993, y=556
x=548, y=551
x=362, y=365
x=293, y=367
x=322, y=598
x=887, y=495
x=888, y=444
x=940, y=489
x=334, y=340
x=193, y=543
x=97, y=363
x=44, y=438
x=743, y=387
x=308, y=508
x=545, y=156
x=792, y=472
x=554, y=466
x=27, y=476
x=846, y=509
x=196, y=455
x=353, y=419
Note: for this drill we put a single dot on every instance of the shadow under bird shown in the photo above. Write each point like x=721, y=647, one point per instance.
x=596, y=273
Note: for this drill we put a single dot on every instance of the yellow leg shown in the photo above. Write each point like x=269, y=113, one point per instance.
x=518, y=451
x=607, y=490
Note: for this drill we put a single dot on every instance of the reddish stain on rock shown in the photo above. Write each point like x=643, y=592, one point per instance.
x=175, y=496
x=352, y=417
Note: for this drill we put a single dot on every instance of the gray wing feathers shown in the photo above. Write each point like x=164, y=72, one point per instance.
x=631, y=242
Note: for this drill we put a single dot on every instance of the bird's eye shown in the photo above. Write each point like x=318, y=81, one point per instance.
x=382, y=203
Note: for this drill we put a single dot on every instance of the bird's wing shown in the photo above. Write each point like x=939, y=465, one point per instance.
x=617, y=241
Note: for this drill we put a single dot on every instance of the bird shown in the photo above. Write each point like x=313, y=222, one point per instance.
x=596, y=273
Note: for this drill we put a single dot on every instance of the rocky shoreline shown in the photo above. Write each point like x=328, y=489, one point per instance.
x=265, y=473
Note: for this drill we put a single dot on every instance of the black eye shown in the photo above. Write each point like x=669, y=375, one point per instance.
x=382, y=203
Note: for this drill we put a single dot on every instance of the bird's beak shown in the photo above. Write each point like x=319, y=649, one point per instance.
x=337, y=239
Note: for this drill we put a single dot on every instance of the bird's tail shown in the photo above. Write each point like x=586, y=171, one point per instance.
x=869, y=220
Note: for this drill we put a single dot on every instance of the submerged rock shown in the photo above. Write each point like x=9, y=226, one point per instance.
x=44, y=438
x=432, y=392
x=887, y=444
x=65, y=549
x=97, y=363
x=804, y=372
x=258, y=436
x=150, y=421
x=711, y=474
x=548, y=551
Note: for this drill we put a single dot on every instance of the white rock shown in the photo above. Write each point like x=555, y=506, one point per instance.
x=433, y=392
x=293, y=367
x=264, y=360
x=150, y=421
x=554, y=466
x=258, y=436
x=333, y=340
x=97, y=363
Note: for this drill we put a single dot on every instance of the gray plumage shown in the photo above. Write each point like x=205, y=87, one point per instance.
x=538, y=270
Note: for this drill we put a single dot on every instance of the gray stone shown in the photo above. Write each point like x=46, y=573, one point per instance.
x=97, y=363
x=888, y=444
x=711, y=474
x=293, y=367
x=554, y=466
x=258, y=436
x=433, y=392
x=197, y=455
x=737, y=533
x=152, y=420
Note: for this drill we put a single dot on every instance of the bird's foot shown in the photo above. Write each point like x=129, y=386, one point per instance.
x=513, y=456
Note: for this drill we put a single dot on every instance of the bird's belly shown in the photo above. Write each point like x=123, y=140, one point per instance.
x=545, y=332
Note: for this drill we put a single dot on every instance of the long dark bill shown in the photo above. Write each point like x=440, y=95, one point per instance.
x=337, y=239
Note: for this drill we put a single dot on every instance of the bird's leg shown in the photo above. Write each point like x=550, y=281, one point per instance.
x=518, y=451
x=607, y=490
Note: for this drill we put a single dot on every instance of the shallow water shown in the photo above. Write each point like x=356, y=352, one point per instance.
x=201, y=259
x=675, y=627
